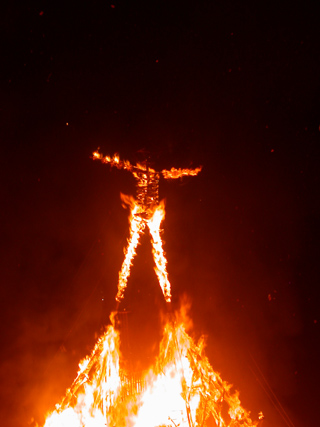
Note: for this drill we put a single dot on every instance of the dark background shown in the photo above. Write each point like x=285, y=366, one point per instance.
x=233, y=86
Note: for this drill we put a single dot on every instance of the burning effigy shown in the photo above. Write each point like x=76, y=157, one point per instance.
x=181, y=388
x=145, y=211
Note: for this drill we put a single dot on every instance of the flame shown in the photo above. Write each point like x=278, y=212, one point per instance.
x=139, y=219
x=157, y=250
x=145, y=211
x=179, y=173
x=173, y=173
x=137, y=226
x=95, y=388
x=180, y=389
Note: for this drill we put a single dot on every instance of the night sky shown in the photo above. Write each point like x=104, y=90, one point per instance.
x=232, y=86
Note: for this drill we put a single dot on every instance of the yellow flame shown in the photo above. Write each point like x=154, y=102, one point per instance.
x=145, y=211
x=137, y=226
x=157, y=250
x=174, y=173
x=96, y=155
x=138, y=222
x=180, y=389
x=94, y=390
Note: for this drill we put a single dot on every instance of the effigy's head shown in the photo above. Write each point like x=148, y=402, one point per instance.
x=144, y=158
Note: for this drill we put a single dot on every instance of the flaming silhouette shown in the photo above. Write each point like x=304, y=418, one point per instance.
x=146, y=211
x=181, y=389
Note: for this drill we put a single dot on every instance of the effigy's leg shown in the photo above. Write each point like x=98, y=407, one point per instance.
x=158, y=253
x=137, y=226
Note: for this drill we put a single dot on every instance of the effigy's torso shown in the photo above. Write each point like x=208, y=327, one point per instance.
x=147, y=191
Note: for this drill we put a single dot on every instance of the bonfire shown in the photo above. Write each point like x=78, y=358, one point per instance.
x=181, y=389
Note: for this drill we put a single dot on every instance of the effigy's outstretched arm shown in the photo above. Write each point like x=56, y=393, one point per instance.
x=137, y=225
x=174, y=173
x=113, y=161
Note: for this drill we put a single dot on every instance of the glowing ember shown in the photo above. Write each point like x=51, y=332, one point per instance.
x=181, y=389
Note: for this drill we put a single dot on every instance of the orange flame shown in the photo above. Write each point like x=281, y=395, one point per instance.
x=138, y=222
x=94, y=390
x=179, y=173
x=145, y=211
x=137, y=226
x=181, y=389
